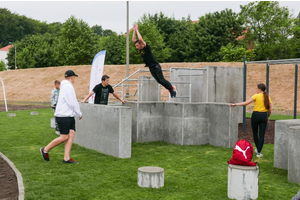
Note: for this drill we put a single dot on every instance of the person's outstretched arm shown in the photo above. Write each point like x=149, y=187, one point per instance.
x=242, y=103
x=139, y=35
x=134, y=34
x=88, y=96
x=117, y=97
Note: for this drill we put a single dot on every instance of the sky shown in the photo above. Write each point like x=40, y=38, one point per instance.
x=113, y=14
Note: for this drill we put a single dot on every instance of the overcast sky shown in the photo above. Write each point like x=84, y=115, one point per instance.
x=112, y=14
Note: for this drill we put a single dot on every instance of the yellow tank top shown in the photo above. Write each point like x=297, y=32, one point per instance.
x=259, y=102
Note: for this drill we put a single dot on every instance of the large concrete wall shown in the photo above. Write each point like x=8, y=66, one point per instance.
x=106, y=129
x=149, y=89
x=184, y=123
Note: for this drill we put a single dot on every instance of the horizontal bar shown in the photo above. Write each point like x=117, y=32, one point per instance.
x=274, y=62
x=190, y=75
x=181, y=82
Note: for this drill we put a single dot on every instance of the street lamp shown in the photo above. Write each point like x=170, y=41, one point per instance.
x=15, y=55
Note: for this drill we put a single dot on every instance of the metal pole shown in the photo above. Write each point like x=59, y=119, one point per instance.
x=295, y=96
x=15, y=57
x=244, y=95
x=267, y=78
x=127, y=51
x=4, y=95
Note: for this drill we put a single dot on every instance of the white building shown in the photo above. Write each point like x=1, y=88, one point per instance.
x=3, y=53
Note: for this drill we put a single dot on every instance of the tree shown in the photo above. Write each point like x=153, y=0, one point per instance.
x=2, y=65
x=77, y=43
x=213, y=31
x=33, y=51
x=14, y=27
x=295, y=40
x=98, y=30
x=270, y=27
x=232, y=53
x=114, y=46
x=151, y=36
x=179, y=40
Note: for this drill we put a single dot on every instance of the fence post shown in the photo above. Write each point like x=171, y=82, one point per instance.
x=295, y=95
x=244, y=95
x=4, y=95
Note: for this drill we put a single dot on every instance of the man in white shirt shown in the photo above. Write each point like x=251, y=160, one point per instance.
x=66, y=109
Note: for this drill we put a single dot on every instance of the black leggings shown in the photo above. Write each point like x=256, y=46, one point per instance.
x=159, y=77
x=259, y=120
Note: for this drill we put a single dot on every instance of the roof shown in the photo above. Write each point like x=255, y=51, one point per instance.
x=6, y=48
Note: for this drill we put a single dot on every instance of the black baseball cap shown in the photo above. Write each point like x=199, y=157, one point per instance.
x=70, y=73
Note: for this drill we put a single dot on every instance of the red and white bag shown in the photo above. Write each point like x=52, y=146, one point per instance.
x=242, y=154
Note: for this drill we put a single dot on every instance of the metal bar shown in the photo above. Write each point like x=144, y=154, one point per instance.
x=127, y=46
x=295, y=96
x=180, y=82
x=268, y=76
x=286, y=61
x=244, y=94
x=190, y=75
x=4, y=94
x=122, y=88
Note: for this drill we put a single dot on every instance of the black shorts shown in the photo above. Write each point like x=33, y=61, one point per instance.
x=65, y=124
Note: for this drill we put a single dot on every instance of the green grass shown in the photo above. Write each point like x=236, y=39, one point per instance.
x=191, y=172
x=275, y=116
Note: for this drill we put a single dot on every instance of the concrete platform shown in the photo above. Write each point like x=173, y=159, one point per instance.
x=293, y=154
x=151, y=177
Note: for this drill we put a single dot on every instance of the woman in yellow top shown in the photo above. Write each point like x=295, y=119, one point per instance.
x=260, y=115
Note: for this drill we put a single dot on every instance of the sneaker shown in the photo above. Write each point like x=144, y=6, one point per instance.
x=56, y=128
x=255, y=150
x=45, y=155
x=173, y=92
x=70, y=161
x=259, y=155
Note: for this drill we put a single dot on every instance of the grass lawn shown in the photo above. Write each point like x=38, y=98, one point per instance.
x=191, y=172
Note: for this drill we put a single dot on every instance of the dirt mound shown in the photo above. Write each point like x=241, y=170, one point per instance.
x=35, y=85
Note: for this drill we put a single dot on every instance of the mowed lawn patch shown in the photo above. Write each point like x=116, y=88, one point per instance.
x=191, y=172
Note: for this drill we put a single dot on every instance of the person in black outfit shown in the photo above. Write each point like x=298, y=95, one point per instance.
x=150, y=61
x=102, y=91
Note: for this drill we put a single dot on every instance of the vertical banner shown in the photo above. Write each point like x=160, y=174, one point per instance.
x=96, y=72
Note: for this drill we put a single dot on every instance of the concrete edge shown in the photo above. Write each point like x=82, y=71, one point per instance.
x=21, y=187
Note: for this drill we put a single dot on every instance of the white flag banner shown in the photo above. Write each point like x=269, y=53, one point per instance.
x=96, y=72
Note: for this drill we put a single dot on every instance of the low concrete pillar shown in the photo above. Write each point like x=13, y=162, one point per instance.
x=11, y=114
x=242, y=182
x=151, y=177
x=282, y=128
x=34, y=113
x=52, y=122
x=293, y=154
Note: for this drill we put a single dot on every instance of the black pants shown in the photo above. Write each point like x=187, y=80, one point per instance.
x=259, y=121
x=159, y=77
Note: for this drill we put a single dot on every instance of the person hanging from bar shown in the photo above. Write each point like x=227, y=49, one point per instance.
x=260, y=116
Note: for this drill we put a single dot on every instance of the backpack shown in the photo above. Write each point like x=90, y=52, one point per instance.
x=242, y=154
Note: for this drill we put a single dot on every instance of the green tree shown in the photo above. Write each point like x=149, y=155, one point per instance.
x=98, y=30
x=2, y=65
x=213, y=31
x=114, y=46
x=33, y=51
x=77, y=43
x=14, y=27
x=295, y=40
x=270, y=27
x=151, y=36
x=232, y=53
x=179, y=40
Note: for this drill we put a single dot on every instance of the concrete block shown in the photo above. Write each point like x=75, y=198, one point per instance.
x=223, y=125
x=52, y=122
x=293, y=154
x=150, y=90
x=106, y=129
x=282, y=128
x=242, y=182
x=34, y=113
x=151, y=177
x=11, y=114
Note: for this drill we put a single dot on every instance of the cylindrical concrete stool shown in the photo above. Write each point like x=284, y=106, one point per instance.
x=242, y=182
x=34, y=113
x=52, y=122
x=151, y=177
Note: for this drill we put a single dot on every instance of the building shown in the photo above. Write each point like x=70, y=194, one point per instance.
x=3, y=53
